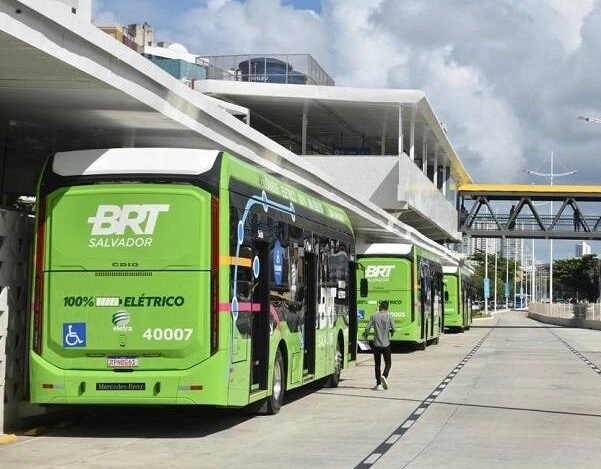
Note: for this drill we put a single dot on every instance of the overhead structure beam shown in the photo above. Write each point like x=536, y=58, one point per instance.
x=514, y=211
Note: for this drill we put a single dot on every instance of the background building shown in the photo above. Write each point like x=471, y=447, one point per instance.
x=582, y=249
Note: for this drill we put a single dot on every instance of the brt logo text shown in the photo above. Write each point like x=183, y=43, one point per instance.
x=112, y=221
x=378, y=273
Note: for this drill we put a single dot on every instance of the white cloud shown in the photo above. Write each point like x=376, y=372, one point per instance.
x=363, y=52
x=485, y=127
x=568, y=20
x=256, y=26
x=508, y=77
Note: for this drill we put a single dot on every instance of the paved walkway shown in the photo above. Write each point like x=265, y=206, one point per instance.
x=519, y=395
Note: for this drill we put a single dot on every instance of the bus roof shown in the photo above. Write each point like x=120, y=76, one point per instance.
x=133, y=160
x=384, y=249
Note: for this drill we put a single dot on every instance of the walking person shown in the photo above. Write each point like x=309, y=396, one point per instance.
x=511, y=224
x=383, y=325
x=577, y=219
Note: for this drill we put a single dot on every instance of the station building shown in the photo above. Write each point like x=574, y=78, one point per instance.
x=382, y=154
x=384, y=145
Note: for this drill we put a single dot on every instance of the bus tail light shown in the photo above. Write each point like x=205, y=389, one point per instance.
x=214, y=274
x=38, y=294
x=50, y=386
x=190, y=387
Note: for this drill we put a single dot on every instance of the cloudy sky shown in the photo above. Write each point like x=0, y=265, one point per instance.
x=509, y=78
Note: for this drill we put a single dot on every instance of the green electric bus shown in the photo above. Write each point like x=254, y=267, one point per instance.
x=458, y=297
x=185, y=276
x=410, y=278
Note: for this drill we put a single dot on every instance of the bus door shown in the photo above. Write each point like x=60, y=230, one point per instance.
x=423, y=324
x=423, y=294
x=463, y=303
x=310, y=275
x=261, y=319
x=434, y=302
x=433, y=307
x=352, y=311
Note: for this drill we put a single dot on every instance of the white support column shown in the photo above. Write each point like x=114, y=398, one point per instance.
x=400, y=130
x=425, y=161
x=304, y=133
x=3, y=336
x=444, y=178
x=424, y=145
x=383, y=139
x=435, y=173
x=400, y=190
x=412, y=135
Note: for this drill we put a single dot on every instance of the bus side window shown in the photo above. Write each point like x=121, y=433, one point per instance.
x=363, y=287
x=244, y=289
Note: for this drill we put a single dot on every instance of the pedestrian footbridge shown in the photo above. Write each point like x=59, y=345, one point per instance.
x=530, y=211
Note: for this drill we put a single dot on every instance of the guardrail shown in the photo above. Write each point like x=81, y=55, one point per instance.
x=590, y=311
x=581, y=315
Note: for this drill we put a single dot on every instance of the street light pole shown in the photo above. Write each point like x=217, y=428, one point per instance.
x=496, y=272
x=550, y=175
x=515, y=274
x=486, y=280
x=521, y=272
x=596, y=121
x=590, y=119
x=533, y=278
x=506, y=289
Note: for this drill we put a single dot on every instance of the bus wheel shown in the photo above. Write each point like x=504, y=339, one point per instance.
x=422, y=345
x=274, y=402
x=335, y=378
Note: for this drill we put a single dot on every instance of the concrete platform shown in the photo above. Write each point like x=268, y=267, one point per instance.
x=509, y=393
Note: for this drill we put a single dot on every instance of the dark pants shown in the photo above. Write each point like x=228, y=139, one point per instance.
x=378, y=353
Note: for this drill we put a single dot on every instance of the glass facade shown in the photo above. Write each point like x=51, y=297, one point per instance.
x=298, y=69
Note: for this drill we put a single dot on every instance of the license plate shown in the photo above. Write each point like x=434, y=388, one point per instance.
x=122, y=362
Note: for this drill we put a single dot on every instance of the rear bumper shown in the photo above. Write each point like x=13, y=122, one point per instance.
x=453, y=320
x=202, y=384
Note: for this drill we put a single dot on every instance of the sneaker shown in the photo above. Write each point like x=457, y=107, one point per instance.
x=384, y=382
x=377, y=387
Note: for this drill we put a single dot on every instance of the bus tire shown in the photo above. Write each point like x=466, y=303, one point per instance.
x=334, y=379
x=278, y=385
x=422, y=345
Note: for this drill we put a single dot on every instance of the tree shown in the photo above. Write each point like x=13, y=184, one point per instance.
x=577, y=278
x=478, y=260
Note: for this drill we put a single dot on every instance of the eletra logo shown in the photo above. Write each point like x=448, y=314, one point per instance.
x=121, y=321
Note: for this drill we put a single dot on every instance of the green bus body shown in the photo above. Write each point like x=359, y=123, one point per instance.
x=214, y=284
x=410, y=279
x=458, y=299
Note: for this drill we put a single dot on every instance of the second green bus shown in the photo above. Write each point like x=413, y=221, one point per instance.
x=409, y=277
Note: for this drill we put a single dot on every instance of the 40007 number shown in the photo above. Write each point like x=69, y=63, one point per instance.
x=167, y=334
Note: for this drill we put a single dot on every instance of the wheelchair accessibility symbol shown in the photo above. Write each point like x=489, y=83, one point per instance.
x=74, y=334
